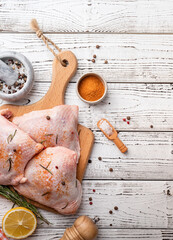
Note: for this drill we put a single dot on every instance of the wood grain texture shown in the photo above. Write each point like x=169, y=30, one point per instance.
x=149, y=157
x=110, y=234
x=127, y=16
x=141, y=204
x=131, y=58
x=146, y=104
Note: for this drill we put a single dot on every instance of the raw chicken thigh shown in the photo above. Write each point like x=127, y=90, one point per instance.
x=51, y=180
x=16, y=149
x=52, y=127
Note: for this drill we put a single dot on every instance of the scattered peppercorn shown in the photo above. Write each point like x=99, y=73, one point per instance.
x=110, y=225
x=116, y=208
x=168, y=192
x=48, y=117
x=94, y=190
x=151, y=126
x=91, y=203
x=56, y=167
x=124, y=119
x=94, y=56
x=111, y=169
x=128, y=118
x=14, y=150
x=128, y=122
x=106, y=61
x=89, y=161
x=99, y=158
x=96, y=219
x=110, y=212
x=97, y=46
x=9, y=87
x=63, y=183
x=90, y=199
x=93, y=60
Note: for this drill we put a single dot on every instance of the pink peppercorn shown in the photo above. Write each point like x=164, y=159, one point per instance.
x=128, y=122
x=94, y=190
x=91, y=203
x=124, y=119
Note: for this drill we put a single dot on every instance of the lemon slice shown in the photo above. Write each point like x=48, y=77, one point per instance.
x=19, y=223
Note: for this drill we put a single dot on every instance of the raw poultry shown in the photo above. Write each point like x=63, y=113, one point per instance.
x=50, y=177
x=51, y=180
x=16, y=149
x=52, y=127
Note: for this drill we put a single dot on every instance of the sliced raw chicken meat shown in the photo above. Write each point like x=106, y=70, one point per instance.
x=16, y=149
x=52, y=127
x=51, y=180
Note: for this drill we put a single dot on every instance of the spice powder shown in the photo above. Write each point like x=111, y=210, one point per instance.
x=91, y=88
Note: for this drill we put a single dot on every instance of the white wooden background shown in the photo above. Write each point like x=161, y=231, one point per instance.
x=136, y=37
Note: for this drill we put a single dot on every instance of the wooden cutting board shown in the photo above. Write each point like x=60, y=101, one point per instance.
x=55, y=96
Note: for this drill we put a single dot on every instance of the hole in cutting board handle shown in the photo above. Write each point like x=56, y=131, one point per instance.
x=65, y=61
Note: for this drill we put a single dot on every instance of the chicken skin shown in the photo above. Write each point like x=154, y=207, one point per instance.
x=16, y=149
x=51, y=180
x=52, y=127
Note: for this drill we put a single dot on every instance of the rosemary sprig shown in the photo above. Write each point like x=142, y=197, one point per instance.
x=12, y=195
x=11, y=136
x=46, y=169
x=10, y=163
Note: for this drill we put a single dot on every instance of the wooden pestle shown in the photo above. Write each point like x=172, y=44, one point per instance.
x=82, y=229
x=7, y=74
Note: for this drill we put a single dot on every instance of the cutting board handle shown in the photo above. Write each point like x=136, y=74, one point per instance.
x=60, y=77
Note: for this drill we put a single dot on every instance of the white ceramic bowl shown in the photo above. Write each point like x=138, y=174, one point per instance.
x=103, y=81
x=29, y=72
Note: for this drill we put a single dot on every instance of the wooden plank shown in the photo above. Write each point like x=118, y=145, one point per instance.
x=149, y=157
x=131, y=58
x=118, y=16
x=142, y=204
x=146, y=104
x=109, y=234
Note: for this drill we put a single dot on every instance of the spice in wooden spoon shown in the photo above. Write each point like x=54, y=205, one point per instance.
x=109, y=131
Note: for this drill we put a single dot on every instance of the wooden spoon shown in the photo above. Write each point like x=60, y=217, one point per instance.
x=113, y=136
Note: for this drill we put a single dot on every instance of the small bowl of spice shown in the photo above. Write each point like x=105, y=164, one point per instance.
x=91, y=88
x=18, y=65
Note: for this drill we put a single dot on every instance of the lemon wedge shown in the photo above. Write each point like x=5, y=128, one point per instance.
x=19, y=223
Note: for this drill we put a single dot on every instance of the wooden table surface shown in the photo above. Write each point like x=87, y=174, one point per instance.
x=136, y=37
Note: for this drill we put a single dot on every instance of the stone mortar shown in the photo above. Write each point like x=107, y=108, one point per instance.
x=29, y=72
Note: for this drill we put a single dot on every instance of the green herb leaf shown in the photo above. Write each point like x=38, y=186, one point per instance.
x=46, y=169
x=10, y=163
x=65, y=206
x=44, y=194
x=11, y=136
x=48, y=134
x=48, y=164
x=56, y=138
x=12, y=195
x=43, y=141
